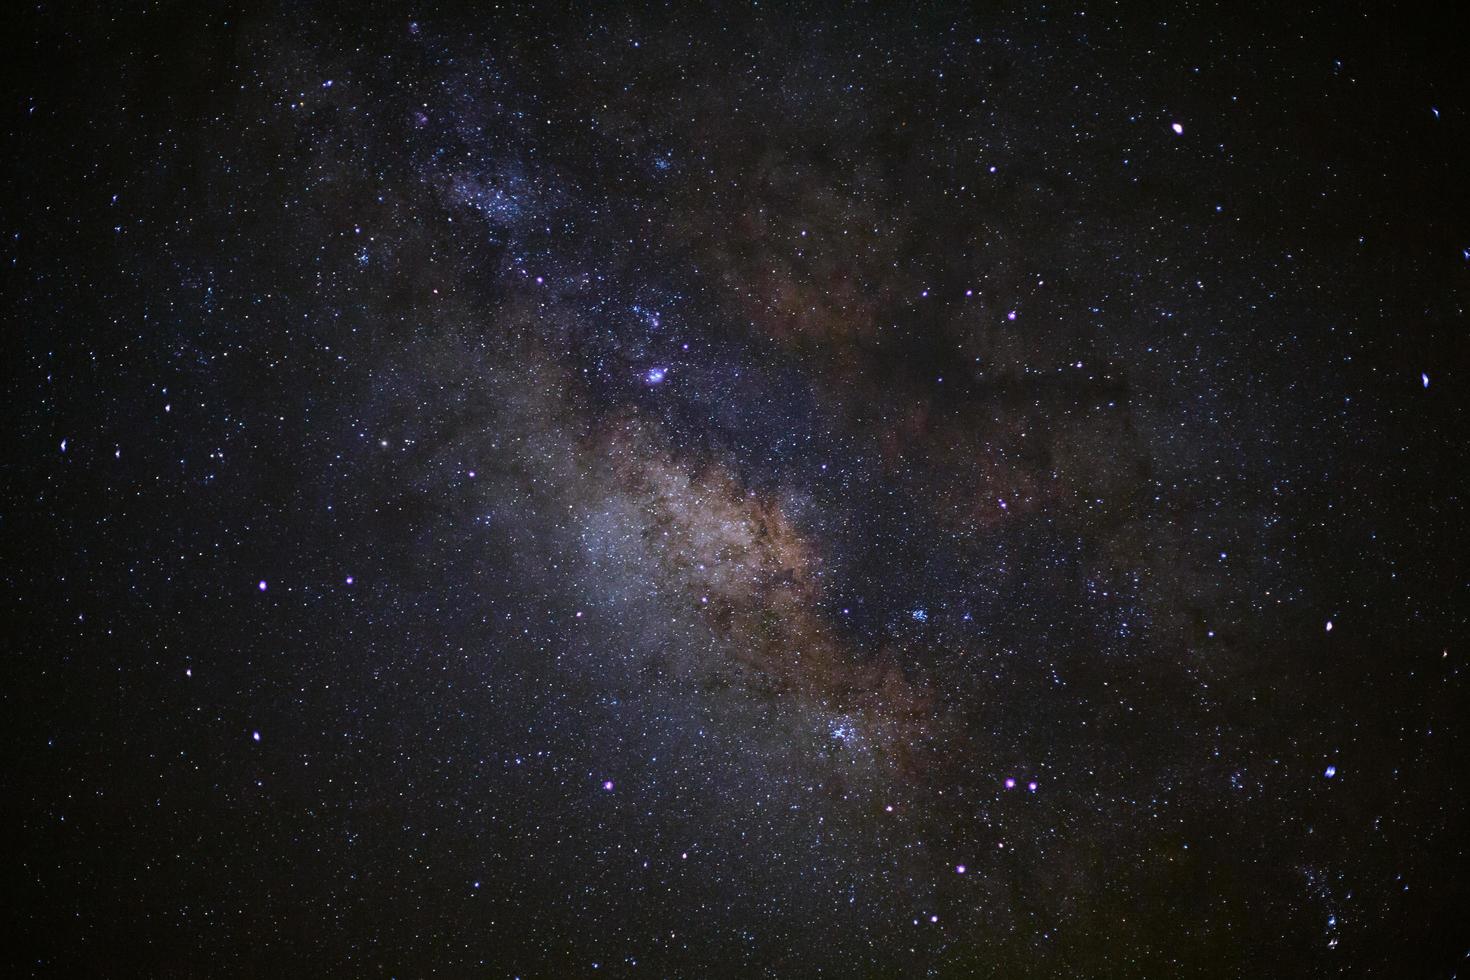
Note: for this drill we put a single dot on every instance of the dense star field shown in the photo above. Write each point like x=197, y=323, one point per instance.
x=736, y=491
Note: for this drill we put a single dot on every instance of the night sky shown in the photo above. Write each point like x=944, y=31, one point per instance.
x=736, y=491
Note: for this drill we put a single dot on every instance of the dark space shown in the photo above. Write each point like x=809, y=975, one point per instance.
x=750, y=490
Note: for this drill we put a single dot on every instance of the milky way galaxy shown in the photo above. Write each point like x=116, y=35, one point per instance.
x=740, y=491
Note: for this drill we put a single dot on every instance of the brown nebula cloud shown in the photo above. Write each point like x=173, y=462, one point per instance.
x=733, y=556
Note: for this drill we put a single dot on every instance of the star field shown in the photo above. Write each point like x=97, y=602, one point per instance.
x=749, y=490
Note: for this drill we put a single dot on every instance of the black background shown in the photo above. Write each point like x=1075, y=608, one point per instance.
x=279, y=322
